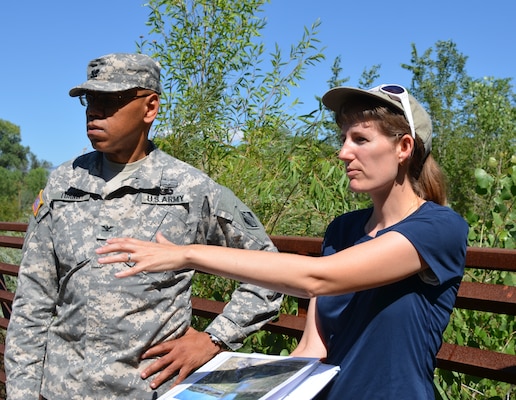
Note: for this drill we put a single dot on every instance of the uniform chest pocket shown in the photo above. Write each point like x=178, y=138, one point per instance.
x=173, y=221
x=80, y=227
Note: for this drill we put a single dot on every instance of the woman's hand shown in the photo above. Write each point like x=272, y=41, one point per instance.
x=141, y=255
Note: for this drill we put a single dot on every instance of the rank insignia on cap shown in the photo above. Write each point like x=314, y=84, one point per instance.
x=37, y=203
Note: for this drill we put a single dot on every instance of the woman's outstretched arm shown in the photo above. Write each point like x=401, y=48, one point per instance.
x=385, y=259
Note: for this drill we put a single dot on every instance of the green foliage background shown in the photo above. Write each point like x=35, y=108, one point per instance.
x=225, y=111
x=22, y=175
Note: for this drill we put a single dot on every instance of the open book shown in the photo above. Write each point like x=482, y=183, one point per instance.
x=241, y=376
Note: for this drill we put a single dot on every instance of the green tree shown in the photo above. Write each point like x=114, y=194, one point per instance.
x=495, y=226
x=203, y=47
x=224, y=107
x=13, y=155
x=22, y=175
x=9, y=188
x=473, y=118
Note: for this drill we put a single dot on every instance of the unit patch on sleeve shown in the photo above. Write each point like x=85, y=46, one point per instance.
x=249, y=219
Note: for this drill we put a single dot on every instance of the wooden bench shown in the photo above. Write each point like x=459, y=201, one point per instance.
x=485, y=297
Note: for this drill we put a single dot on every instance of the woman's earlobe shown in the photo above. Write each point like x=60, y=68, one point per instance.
x=407, y=145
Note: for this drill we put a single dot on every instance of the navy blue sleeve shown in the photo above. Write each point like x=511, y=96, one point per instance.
x=439, y=235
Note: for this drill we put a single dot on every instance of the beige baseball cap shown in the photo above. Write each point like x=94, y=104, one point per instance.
x=391, y=95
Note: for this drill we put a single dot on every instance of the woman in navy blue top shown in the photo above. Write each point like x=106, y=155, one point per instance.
x=385, y=339
x=383, y=293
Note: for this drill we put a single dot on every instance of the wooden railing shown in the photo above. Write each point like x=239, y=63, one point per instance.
x=485, y=297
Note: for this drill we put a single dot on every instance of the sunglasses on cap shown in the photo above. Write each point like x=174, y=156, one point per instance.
x=398, y=93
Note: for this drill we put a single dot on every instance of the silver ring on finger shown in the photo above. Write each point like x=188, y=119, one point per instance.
x=129, y=263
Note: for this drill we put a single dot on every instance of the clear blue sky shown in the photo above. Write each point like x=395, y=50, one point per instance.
x=46, y=46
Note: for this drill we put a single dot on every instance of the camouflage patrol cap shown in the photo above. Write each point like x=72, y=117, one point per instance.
x=120, y=71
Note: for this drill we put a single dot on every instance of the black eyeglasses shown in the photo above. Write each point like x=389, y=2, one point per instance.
x=399, y=93
x=108, y=100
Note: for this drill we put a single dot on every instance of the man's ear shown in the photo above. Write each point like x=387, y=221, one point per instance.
x=152, y=108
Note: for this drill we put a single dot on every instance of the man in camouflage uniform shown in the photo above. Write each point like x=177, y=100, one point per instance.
x=76, y=331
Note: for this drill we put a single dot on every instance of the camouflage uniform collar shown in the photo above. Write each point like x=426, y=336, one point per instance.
x=150, y=174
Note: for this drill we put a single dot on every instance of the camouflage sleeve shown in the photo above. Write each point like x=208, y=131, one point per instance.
x=251, y=306
x=33, y=308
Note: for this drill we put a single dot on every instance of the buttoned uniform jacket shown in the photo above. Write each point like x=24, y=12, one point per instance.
x=77, y=331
